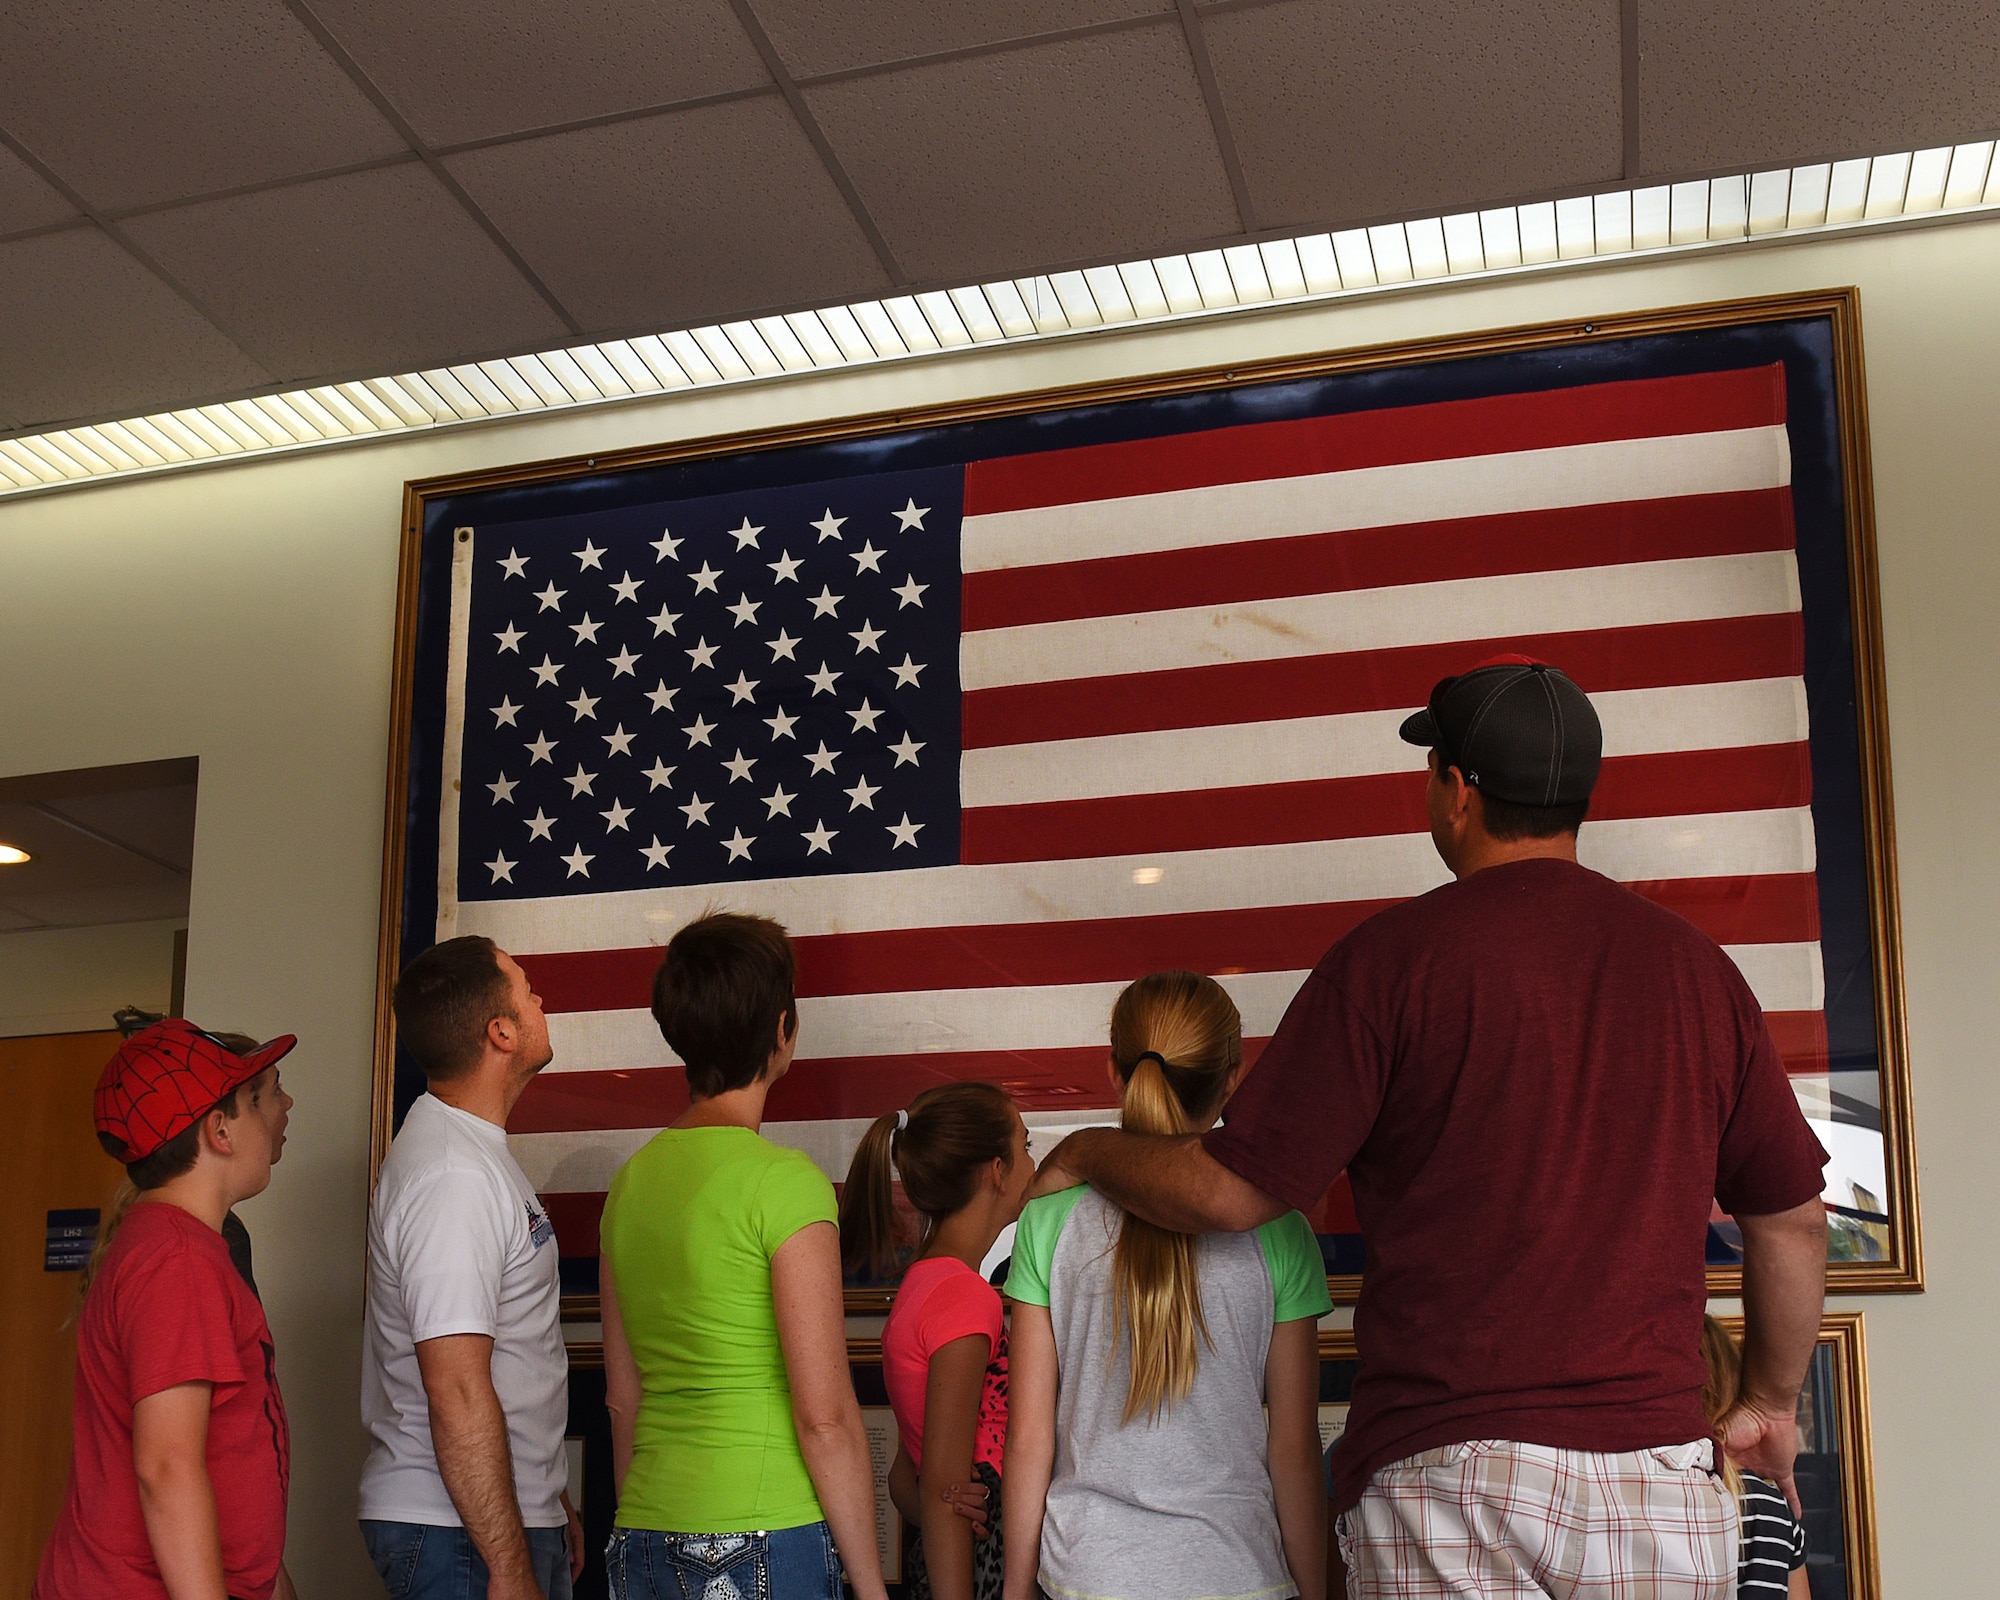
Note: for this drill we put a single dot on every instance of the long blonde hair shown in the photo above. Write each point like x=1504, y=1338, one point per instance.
x=1719, y=1394
x=1175, y=1039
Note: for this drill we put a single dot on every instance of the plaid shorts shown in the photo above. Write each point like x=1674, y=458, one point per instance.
x=1491, y=1517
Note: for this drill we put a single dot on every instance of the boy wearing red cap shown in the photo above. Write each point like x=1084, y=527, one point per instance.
x=182, y=1455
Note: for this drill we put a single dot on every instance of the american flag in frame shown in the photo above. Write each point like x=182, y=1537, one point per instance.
x=999, y=706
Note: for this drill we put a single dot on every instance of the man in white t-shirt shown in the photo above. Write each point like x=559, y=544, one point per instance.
x=465, y=1382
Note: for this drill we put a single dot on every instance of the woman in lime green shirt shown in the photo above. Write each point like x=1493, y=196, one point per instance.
x=737, y=1441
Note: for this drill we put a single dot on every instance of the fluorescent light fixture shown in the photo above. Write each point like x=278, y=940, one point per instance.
x=1942, y=181
x=13, y=855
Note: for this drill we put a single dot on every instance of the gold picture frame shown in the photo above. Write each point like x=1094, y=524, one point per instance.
x=1900, y=1268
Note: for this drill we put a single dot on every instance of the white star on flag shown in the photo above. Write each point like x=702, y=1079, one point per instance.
x=545, y=674
x=739, y=768
x=703, y=653
x=501, y=867
x=829, y=526
x=866, y=637
x=580, y=781
x=503, y=790
x=786, y=567
x=864, y=717
x=820, y=839
x=623, y=663
x=621, y=741
x=867, y=558
x=541, y=749
x=780, y=725
x=697, y=810
x=578, y=862
x=655, y=853
x=539, y=825
x=503, y=713
x=551, y=597
x=704, y=579
x=822, y=759
x=782, y=646
x=586, y=630
x=911, y=516
x=615, y=817
x=667, y=545
x=588, y=555
x=906, y=750
x=510, y=638
x=659, y=775
x=584, y=705
x=862, y=794
x=627, y=588
x=779, y=799
x=738, y=846
x=826, y=603
x=515, y=564
x=661, y=696
x=745, y=609
x=911, y=593
x=905, y=832
x=745, y=535
x=663, y=621
x=744, y=688
x=822, y=680
x=906, y=674
x=698, y=731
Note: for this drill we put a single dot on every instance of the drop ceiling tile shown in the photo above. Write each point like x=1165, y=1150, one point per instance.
x=684, y=217
x=1346, y=109
x=1090, y=149
x=815, y=36
x=85, y=331
x=26, y=201
x=471, y=69
x=1792, y=81
x=373, y=272
x=133, y=102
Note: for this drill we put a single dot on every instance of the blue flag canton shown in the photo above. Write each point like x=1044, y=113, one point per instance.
x=747, y=686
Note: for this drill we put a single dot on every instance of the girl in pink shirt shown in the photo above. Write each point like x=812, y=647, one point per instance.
x=961, y=1151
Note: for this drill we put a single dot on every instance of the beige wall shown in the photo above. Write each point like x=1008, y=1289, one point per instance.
x=244, y=615
x=70, y=980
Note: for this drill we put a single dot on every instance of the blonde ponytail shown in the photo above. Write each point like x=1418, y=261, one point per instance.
x=1175, y=1039
x=1720, y=1393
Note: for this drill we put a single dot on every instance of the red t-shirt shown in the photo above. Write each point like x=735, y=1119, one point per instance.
x=941, y=1299
x=169, y=1308
x=1537, y=1081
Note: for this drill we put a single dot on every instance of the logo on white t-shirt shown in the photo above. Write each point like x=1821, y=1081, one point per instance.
x=540, y=1229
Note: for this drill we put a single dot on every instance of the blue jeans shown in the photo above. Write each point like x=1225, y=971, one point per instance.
x=418, y=1562
x=784, y=1564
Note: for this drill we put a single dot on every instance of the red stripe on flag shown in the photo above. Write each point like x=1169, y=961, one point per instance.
x=1801, y=1040
x=1751, y=778
x=1721, y=650
x=1642, y=408
x=1772, y=909
x=576, y=1217
x=1378, y=558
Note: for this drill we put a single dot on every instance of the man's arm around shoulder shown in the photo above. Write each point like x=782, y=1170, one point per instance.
x=1172, y=1182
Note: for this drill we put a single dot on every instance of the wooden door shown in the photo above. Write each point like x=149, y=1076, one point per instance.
x=55, y=1165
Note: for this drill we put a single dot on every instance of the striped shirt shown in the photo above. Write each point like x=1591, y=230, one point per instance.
x=1774, y=1545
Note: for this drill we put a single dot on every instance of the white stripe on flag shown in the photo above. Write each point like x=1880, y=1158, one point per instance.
x=1660, y=468
x=1700, y=716
x=1390, y=866
x=917, y=1021
x=1784, y=977
x=585, y=1162
x=1635, y=594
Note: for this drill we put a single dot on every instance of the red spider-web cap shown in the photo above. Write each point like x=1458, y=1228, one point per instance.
x=165, y=1078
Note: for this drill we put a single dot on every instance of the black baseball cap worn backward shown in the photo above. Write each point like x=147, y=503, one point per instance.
x=1519, y=730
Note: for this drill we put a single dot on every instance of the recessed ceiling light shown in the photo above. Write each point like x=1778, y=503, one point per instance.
x=10, y=856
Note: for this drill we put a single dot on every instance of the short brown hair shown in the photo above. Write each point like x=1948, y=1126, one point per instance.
x=445, y=998
x=727, y=982
x=1509, y=820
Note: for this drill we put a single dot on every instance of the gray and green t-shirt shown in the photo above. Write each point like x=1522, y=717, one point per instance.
x=1177, y=1506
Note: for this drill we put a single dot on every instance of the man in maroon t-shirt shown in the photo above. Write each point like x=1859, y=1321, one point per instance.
x=1537, y=1082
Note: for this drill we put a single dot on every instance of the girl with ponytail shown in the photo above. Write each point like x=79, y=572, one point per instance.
x=962, y=1153
x=1140, y=1465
